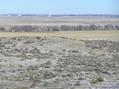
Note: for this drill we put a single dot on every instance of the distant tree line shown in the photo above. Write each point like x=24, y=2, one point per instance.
x=37, y=28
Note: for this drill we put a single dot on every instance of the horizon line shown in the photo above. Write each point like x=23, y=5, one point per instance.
x=53, y=14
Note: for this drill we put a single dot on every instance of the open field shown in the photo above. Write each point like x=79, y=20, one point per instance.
x=79, y=35
x=59, y=53
x=59, y=60
x=56, y=20
x=57, y=23
x=58, y=63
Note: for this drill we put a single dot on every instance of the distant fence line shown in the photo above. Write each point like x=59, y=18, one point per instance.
x=37, y=28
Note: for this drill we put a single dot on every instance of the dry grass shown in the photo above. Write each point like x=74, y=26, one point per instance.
x=79, y=35
x=60, y=20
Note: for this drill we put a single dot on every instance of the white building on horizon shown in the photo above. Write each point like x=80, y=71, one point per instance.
x=49, y=14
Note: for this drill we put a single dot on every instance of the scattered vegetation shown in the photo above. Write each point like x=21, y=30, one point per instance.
x=96, y=80
x=53, y=64
x=30, y=28
x=2, y=28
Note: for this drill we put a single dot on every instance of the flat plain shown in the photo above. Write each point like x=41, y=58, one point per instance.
x=57, y=20
x=59, y=60
x=79, y=35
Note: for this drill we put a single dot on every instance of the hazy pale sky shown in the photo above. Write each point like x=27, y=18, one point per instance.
x=60, y=6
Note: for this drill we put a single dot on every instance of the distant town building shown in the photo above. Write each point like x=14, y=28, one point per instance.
x=49, y=14
x=19, y=15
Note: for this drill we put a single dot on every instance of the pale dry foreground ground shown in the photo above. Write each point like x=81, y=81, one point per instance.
x=59, y=60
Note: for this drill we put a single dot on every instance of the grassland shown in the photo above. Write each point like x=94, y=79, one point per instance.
x=46, y=62
x=56, y=20
x=80, y=35
x=59, y=59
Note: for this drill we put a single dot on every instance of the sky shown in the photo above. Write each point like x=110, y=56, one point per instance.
x=59, y=6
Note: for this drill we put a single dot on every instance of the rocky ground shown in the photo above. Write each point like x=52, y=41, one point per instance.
x=58, y=63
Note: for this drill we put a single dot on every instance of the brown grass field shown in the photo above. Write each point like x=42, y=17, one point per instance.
x=79, y=35
x=56, y=20
x=59, y=59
